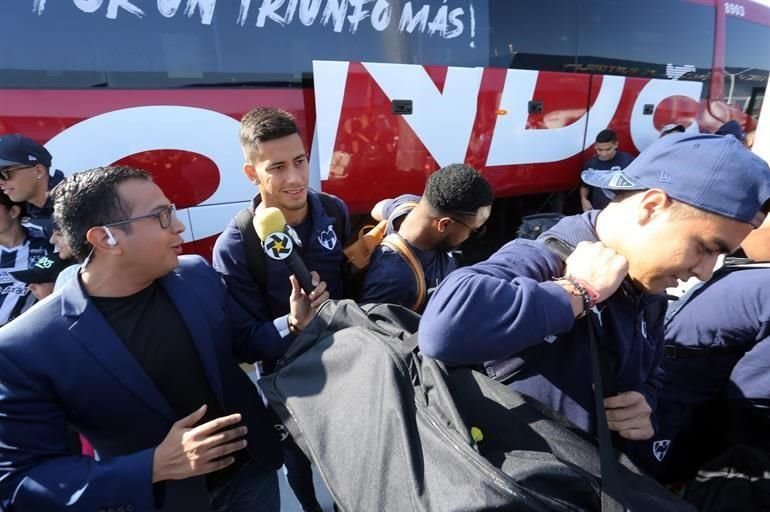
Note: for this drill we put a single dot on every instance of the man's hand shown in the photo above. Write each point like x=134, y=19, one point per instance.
x=628, y=414
x=599, y=266
x=303, y=307
x=189, y=451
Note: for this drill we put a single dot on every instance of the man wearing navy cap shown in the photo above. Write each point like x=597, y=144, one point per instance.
x=25, y=178
x=523, y=313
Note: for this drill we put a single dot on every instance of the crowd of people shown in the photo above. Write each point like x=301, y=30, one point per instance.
x=136, y=348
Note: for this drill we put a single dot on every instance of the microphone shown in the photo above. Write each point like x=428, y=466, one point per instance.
x=270, y=225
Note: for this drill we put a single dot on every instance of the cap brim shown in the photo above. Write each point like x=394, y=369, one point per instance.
x=37, y=275
x=32, y=276
x=8, y=163
x=609, y=180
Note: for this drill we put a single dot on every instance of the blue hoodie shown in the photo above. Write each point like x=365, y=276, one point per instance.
x=507, y=313
x=724, y=328
x=321, y=251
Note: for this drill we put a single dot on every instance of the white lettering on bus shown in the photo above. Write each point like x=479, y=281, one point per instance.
x=168, y=9
x=445, y=22
x=114, y=5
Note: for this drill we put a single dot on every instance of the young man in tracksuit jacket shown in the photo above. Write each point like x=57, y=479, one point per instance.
x=675, y=209
x=276, y=161
x=455, y=205
x=715, y=391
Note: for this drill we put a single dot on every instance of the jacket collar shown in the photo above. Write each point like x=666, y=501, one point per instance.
x=97, y=336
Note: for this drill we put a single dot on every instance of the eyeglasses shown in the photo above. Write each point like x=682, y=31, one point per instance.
x=474, y=231
x=164, y=217
x=5, y=172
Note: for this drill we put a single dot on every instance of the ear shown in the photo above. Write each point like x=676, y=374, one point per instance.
x=41, y=171
x=251, y=172
x=652, y=203
x=98, y=238
x=15, y=210
x=443, y=223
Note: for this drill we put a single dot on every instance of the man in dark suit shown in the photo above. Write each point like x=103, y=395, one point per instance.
x=140, y=355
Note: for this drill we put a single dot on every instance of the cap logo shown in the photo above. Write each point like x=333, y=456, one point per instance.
x=665, y=177
x=32, y=157
x=44, y=263
x=620, y=181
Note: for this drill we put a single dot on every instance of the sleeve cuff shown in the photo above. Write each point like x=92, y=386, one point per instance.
x=557, y=308
x=282, y=326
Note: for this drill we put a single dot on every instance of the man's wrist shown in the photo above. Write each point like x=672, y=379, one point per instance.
x=294, y=325
x=577, y=299
x=157, y=475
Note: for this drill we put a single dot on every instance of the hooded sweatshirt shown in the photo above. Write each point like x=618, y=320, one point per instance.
x=507, y=314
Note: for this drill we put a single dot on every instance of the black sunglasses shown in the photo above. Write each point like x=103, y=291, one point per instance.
x=474, y=231
x=5, y=172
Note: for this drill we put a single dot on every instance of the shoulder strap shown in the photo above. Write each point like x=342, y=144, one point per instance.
x=334, y=210
x=255, y=257
x=398, y=244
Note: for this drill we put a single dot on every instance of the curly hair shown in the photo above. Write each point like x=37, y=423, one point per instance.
x=90, y=198
x=458, y=189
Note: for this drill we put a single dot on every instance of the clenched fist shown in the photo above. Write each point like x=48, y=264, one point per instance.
x=598, y=266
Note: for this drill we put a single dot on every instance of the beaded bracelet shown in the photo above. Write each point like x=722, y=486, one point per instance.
x=587, y=294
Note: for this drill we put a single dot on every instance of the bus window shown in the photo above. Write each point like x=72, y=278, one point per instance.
x=747, y=64
x=646, y=38
x=69, y=44
x=538, y=35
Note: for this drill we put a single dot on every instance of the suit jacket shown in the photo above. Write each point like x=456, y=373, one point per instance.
x=61, y=364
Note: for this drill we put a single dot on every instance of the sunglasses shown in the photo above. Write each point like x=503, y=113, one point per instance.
x=476, y=232
x=6, y=173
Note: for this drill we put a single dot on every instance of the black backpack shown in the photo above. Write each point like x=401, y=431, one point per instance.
x=255, y=256
x=390, y=429
x=532, y=226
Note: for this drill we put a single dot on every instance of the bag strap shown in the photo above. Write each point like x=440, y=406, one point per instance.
x=612, y=490
x=255, y=256
x=398, y=244
x=604, y=385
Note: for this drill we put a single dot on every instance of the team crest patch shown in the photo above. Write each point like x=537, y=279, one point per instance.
x=283, y=432
x=660, y=448
x=328, y=238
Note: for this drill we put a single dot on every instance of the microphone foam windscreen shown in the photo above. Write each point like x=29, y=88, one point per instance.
x=269, y=220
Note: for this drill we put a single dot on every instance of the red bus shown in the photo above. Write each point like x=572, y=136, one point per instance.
x=385, y=91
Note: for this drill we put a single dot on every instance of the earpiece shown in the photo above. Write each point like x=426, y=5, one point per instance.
x=110, y=238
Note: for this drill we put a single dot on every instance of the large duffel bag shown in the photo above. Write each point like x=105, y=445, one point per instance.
x=390, y=430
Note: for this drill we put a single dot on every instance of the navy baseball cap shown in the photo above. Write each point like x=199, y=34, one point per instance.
x=16, y=149
x=710, y=172
x=45, y=270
